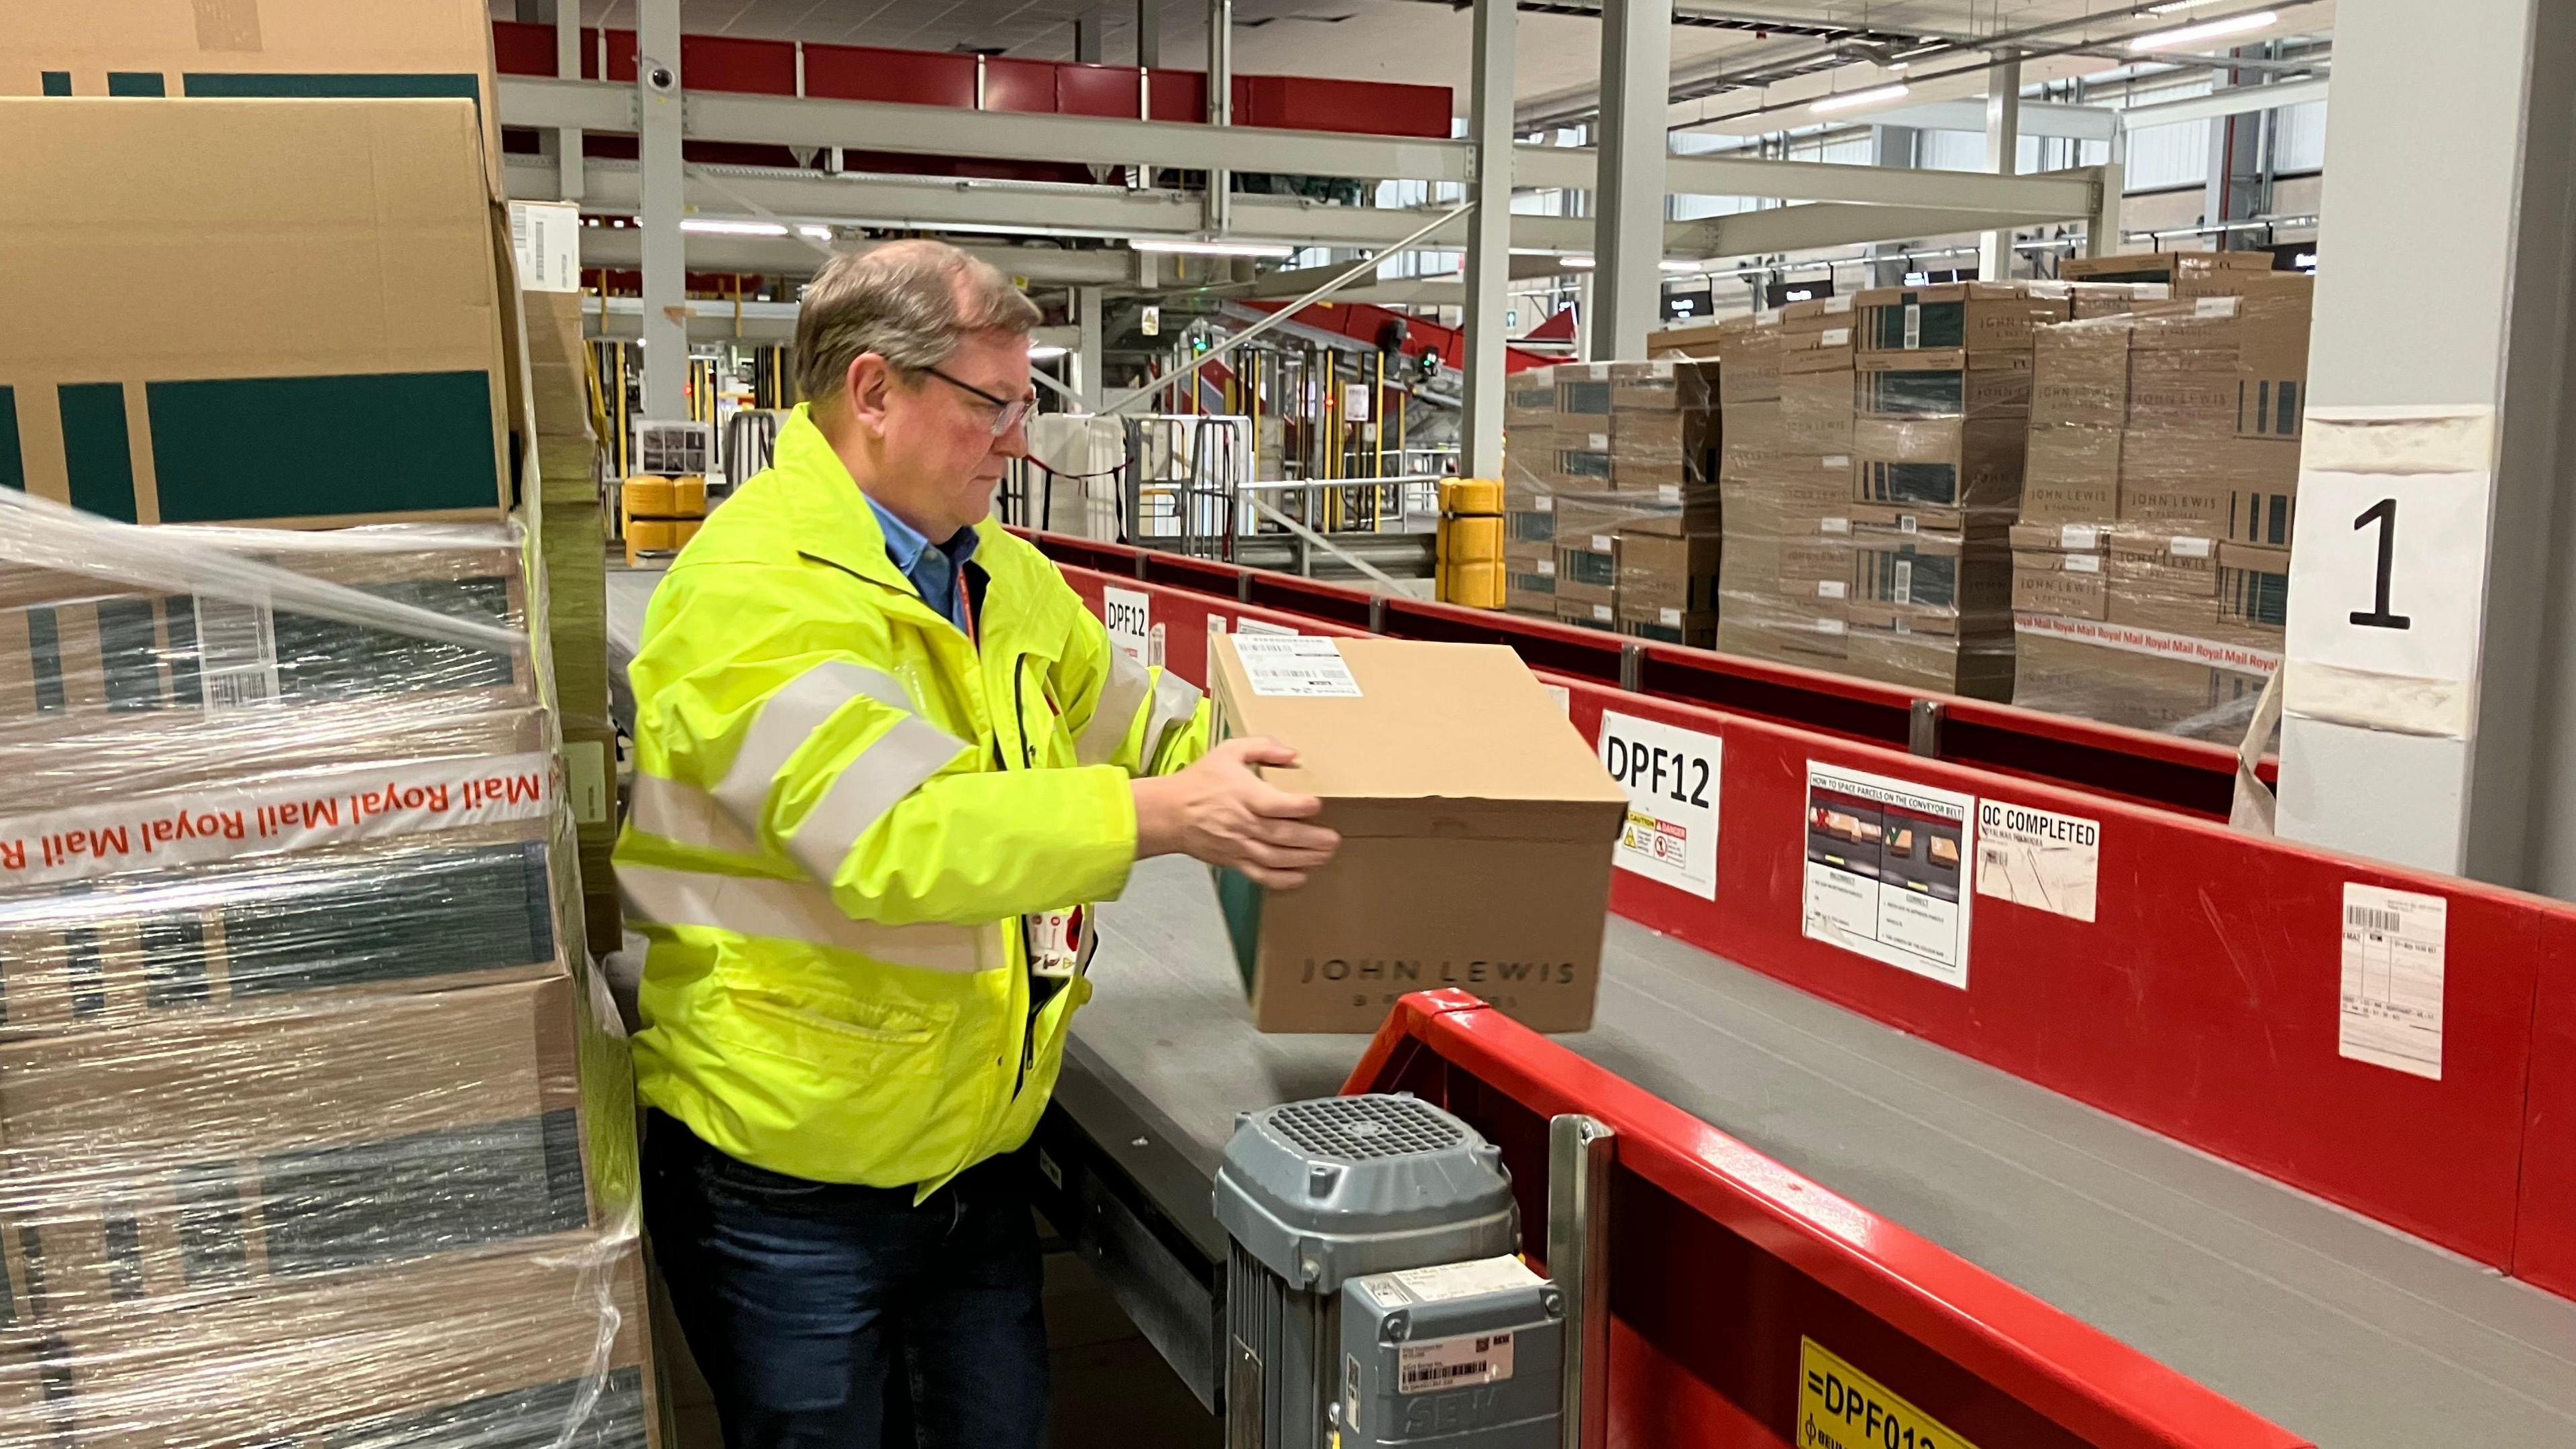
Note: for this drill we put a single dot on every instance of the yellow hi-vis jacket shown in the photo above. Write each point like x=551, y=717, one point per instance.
x=843, y=807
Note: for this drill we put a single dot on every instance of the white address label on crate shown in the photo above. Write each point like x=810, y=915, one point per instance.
x=196, y=826
x=2084, y=563
x=587, y=773
x=1249, y=625
x=2038, y=858
x=1295, y=665
x=2394, y=943
x=1671, y=776
x=236, y=655
x=1449, y=1363
x=1129, y=613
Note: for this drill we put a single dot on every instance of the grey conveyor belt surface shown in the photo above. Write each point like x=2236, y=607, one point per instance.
x=2342, y=1330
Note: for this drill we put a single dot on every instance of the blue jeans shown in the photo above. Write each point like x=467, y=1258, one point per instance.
x=801, y=1299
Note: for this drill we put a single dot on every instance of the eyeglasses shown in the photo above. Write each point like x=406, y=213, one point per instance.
x=1007, y=411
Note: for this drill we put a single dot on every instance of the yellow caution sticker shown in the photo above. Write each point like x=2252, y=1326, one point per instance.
x=1839, y=1407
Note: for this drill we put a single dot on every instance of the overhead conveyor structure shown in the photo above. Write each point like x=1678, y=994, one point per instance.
x=1946, y=1188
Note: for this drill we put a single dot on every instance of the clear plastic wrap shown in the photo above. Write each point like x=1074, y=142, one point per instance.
x=314, y=1125
x=1869, y=485
x=1594, y=453
x=2153, y=546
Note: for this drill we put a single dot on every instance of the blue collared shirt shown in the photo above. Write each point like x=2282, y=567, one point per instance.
x=933, y=570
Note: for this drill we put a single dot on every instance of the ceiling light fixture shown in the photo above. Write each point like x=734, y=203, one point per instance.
x=1675, y=264
x=1575, y=261
x=815, y=233
x=1046, y=351
x=1191, y=246
x=708, y=226
x=2190, y=35
x=1853, y=100
x=2176, y=7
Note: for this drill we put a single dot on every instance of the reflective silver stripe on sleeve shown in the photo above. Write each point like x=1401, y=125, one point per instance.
x=1176, y=701
x=686, y=815
x=1121, y=695
x=795, y=910
x=787, y=719
x=891, y=767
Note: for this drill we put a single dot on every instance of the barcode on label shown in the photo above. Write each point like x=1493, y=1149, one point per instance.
x=2363, y=917
x=1436, y=1375
x=237, y=654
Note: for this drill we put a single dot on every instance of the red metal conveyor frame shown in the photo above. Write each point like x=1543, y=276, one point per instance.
x=2202, y=1000
x=1722, y=1262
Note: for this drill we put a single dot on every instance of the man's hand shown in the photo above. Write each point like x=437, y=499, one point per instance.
x=1220, y=812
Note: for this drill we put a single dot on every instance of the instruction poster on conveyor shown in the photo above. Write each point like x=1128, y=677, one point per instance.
x=1889, y=867
x=2394, y=943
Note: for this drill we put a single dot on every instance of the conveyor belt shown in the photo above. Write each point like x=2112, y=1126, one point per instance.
x=2335, y=1327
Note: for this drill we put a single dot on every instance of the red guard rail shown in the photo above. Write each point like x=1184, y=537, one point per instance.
x=2152, y=769
x=1730, y=1261
x=2202, y=1001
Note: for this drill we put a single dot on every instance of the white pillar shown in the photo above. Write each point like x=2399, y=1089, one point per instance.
x=1088, y=27
x=1628, y=246
x=2449, y=743
x=666, y=326
x=568, y=165
x=1220, y=108
x=1489, y=240
x=1088, y=302
x=2003, y=155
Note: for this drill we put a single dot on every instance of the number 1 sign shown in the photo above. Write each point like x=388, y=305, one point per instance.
x=2388, y=575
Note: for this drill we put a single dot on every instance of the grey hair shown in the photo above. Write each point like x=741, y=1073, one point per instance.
x=909, y=302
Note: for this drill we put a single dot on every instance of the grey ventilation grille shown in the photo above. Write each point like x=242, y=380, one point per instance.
x=1360, y=1129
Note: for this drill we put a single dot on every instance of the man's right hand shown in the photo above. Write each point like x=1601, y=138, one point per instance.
x=1220, y=811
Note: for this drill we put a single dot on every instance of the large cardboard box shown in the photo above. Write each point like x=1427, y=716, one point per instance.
x=1749, y=354
x=530, y=1135
x=1979, y=667
x=1968, y=316
x=1663, y=580
x=2177, y=483
x=1969, y=464
x=199, y=333
x=1944, y=385
x=2166, y=267
x=1476, y=829
x=542, y=1341
x=425, y=913
x=2253, y=593
x=75, y=650
x=343, y=49
x=2080, y=374
x=2071, y=585
x=2071, y=475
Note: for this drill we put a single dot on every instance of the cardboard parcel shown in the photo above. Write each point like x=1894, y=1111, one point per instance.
x=199, y=333
x=1476, y=833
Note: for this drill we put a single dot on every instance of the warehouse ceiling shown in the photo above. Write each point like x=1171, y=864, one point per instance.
x=1742, y=56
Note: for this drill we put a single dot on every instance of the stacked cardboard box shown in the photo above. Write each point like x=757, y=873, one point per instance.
x=572, y=544
x=288, y=1018
x=2153, y=555
x=309, y=1129
x=1785, y=388
x=1594, y=453
x=1943, y=401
